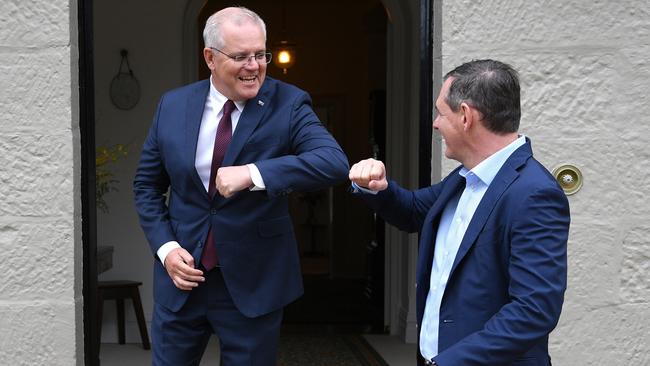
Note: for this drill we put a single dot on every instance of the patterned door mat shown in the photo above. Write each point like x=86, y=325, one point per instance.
x=327, y=350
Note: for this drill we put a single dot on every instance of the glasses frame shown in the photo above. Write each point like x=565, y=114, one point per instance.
x=245, y=60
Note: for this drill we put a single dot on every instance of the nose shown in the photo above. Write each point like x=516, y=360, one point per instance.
x=435, y=123
x=252, y=63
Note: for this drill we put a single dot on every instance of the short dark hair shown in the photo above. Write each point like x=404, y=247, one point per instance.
x=490, y=86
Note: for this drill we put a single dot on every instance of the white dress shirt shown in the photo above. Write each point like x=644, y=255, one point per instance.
x=212, y=113
x=455, y=218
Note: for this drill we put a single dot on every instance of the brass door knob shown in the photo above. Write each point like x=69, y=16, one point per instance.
x=569, y=177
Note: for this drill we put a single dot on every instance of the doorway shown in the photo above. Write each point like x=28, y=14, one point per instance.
x=386, y=104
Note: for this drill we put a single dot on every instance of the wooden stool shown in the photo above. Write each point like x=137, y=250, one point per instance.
x=118, y=291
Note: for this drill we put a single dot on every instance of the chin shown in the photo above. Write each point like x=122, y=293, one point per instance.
x=449, y=155
x=249, y=94
x=249, y=91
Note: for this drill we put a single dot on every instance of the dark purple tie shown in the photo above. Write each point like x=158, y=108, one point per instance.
x=221, y=140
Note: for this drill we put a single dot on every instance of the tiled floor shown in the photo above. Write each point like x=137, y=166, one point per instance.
x=392, y=349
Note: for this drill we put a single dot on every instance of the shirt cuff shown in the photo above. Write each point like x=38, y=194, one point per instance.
x=165, y=249
x=256, y=177
x=357, y=188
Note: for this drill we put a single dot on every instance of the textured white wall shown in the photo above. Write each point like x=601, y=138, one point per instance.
x=585, y=78
x=40, y=241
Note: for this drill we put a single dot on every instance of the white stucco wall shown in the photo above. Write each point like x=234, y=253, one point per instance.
x=40, y=240
x=585, y=78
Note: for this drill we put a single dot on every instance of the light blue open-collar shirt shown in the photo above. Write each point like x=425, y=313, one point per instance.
x=455, y=218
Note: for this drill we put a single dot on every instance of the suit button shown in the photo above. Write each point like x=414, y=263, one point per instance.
x=213, y=211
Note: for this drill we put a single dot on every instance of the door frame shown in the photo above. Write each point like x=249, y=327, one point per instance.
x=425, y=141
x=88, y=203
x=399, y=271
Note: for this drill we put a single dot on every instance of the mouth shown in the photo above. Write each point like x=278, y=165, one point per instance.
x=249, y=79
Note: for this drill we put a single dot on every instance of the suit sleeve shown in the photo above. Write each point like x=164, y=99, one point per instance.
x=150, y=188
x=404, y=209
x=538, y=274
x=315, y=159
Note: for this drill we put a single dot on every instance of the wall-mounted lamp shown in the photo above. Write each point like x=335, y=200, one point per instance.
x=284, y=52
x=284, y=55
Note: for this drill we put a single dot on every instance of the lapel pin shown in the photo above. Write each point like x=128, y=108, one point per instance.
x=260, y=103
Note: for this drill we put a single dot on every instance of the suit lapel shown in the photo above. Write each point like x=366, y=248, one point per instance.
x=454, y=184
x=452, y=187
x=501, y=182
x=248, y=121
x=194, y=114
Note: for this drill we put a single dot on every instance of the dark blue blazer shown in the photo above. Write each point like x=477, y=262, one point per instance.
x=280, y=133
x=505, y=291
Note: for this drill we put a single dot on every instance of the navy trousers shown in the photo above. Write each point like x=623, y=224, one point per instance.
x=179, y=338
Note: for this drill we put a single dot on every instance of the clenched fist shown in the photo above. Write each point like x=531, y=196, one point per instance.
x=232, y=179
x=369, y=173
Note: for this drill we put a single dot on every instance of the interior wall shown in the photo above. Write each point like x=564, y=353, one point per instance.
x=585, y=77
x=151, y=31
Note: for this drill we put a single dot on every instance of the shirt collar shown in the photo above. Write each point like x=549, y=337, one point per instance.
x=486, y=170
x=219, y=99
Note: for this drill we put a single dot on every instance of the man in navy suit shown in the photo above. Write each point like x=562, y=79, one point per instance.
x=211, y=192
x=491, y=271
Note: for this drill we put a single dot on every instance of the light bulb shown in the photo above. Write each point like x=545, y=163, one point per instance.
x=284, y=57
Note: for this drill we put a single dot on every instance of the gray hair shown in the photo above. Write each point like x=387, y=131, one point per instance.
x=212, y=36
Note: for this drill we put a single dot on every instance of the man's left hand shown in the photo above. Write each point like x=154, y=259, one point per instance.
x=232, y=179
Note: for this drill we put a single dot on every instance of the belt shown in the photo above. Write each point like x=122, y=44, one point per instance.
x=430, y=363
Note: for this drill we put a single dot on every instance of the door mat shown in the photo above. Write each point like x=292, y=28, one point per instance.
x=327, y=350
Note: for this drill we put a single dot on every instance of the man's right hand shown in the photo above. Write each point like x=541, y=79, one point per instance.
x=180, y=267
x=369, y=173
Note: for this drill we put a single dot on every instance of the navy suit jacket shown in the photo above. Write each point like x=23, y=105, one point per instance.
x=280, y=133
x=506, y=287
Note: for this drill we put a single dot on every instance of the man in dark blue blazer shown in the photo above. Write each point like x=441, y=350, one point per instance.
x=491, y=271
x=211, y=192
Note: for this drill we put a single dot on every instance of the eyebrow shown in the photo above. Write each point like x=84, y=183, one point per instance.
x=245, y=53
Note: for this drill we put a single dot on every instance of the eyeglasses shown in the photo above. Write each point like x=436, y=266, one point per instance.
x=246, y=59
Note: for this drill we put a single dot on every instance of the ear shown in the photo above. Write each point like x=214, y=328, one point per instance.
x=208, y=56
x=468, y=116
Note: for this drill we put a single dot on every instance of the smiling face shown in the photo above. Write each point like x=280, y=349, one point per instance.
x=238, y=81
